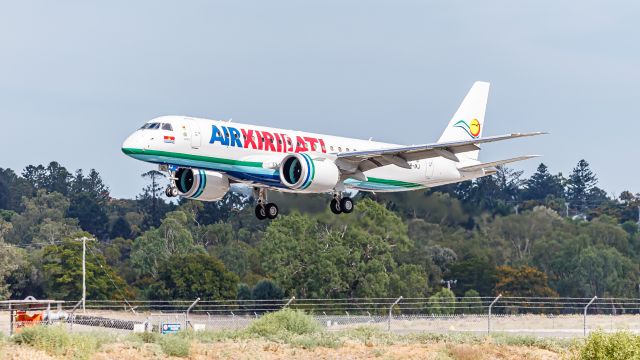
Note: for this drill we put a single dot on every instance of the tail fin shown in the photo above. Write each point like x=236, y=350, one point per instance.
x=468, y=122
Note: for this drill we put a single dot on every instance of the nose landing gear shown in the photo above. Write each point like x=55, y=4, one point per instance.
x=171, y=191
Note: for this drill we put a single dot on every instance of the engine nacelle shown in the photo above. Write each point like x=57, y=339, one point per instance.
x=200, y=184
x=301, y=172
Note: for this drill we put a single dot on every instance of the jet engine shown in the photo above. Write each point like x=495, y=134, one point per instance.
x=200, y=184
x=301, y=172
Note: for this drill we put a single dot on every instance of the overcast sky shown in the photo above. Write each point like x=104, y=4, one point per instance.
x=76, y=77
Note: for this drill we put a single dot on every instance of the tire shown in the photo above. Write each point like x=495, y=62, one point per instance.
x=271, y=211
x=174, y=192
x=335, y=207
x=167, y=192
x=261, y=214
x=346, y=205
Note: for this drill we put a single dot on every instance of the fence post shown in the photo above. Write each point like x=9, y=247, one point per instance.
x=585, y=314
x=186, y=318
x=289, y=302
x=390, y=310
x=489, y=317
x=73, y=316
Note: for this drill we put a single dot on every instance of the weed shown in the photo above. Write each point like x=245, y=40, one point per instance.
x=282, y=324
x=175, y=345
x=621, y=346
x=57, y=341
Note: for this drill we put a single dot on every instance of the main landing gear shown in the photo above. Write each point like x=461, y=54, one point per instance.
x=341, y=204
x=264, y=210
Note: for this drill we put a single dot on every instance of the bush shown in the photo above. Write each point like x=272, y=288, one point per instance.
x=284, y=323
x=175, y=345
x=57, y=341
x=146, y=337
x=619, y=346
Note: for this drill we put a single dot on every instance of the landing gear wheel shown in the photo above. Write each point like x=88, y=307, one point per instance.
x=171, y=191
x=271, y=210
x=346, y=205
x=261, y=213
x=335, y=206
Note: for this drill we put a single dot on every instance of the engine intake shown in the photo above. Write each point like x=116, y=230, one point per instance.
x=301, y=172
x=200, y=184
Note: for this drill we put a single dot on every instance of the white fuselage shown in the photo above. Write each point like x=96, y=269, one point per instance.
x=250, y=154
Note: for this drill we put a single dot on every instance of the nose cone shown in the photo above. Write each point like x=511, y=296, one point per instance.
x=131, y=144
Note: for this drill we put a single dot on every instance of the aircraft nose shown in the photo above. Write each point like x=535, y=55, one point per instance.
x=130, y=143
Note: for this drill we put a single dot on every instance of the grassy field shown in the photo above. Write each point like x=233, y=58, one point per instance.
x=290, y=334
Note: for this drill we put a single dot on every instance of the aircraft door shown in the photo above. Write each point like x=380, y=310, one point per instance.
x=196, y=134
x=430, y=166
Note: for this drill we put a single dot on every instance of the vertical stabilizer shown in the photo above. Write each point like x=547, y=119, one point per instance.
x=468, y=122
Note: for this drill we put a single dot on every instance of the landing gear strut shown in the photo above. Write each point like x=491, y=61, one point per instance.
x=264, y=210
x=341, y=204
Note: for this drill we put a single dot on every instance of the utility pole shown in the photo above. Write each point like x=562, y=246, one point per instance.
x=567, y=208
x=84, y=271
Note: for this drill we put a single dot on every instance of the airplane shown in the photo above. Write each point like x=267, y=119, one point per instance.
x=204, y=157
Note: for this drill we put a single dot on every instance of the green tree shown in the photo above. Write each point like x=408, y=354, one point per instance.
x=336, y=257
x=62, y=269
x=152, y=204
x=442, y=303
x=8, y=260
x=90, y=213
x=43, y=220
x=581, y=182
x=474, y=273
x=605, y=272
x=519, y=233
x=543, y=184
x=155, y=246
x=409, y=281
x=189, y=276
x=267, y=290
x=471, y=303
x=120, y=228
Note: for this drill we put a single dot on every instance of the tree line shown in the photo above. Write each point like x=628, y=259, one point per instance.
x=546, y=235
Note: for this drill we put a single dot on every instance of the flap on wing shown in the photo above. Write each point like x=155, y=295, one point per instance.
x=479, y=167
x=418, y=152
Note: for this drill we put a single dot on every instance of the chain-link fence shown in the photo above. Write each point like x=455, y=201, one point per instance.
x=559, y=317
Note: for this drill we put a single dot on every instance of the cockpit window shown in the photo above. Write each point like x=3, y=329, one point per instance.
x=152, y=126
x=167, y=127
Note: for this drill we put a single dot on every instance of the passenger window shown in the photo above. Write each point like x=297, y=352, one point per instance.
x=347, y=149
x=167, y=127
x=331, y=147
x=340, y=148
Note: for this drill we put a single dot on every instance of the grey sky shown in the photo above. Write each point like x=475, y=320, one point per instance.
x=76, y=77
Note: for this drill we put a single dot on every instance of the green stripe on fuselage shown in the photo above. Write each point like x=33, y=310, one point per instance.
x=255, y=164
x=393, y=182
x=191, y=157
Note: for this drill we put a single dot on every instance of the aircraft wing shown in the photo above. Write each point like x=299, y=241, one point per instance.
x=493, y=164
x=400, y=156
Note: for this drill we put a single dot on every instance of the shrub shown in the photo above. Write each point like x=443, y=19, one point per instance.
x=175, y=345
x=57, y=341
x=146, y=337
x=284, y=323
x=619, y=346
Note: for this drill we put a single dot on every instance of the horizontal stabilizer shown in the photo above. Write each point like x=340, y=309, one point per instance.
x=492, y=164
